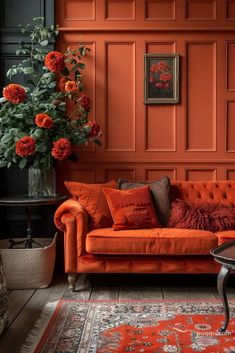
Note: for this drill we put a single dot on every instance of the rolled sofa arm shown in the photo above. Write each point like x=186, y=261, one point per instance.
x=72, y=219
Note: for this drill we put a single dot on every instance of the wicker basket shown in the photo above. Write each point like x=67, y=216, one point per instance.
x=29, y=268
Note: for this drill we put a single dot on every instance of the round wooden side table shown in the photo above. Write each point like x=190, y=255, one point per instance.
x=28, y=202
x=225, y=255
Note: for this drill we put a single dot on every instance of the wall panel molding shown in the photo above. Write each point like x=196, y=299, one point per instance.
x=230, y=126
x=120, y=92
x=198, y=10
x=80, y=10
x=230, y=10
x=201, y=58
x=116, y=10
x=200, y=173
x=161, y=10
x=230, y=66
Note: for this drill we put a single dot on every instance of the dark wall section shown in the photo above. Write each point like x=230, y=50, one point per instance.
x=14, y=181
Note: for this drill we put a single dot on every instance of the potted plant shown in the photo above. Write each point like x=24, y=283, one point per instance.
x=40, y=121
x=36, y=127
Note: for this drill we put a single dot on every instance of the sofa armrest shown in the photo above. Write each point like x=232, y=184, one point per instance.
x=72, y=219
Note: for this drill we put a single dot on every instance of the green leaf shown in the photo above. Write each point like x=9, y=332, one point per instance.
x=28, y=70
x=81, y=65
x=6, y=138
x=3, y=163
x=44, y=42
x=97, y=142
x=42, y=148
x=38, y=133
x=65, y=71
x=22, y=163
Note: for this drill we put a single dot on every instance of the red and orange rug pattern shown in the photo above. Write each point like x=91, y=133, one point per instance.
x=135, y=326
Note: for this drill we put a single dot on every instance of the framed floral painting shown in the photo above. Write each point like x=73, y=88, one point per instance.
x=161, y=78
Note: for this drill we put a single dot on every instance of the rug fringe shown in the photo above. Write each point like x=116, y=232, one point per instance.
x=39, y=328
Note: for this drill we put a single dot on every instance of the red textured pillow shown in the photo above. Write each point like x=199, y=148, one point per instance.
x=212, y=217
x=92, y=198
x=131, y=209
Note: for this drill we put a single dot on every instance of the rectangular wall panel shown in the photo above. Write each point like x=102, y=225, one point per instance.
x=201, y=96
x=230, y=66
x=119, y=10
x=160, y=119
x=230, y=174
x=158, y=173
x=160, y=10
x=120, y=96
x=116, y=173
x=200, y=10
x=230, y=143
x=200, y=174
x=230, y=9
x=77, y=10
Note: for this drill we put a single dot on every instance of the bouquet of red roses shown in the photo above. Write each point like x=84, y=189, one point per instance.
x=36, y=127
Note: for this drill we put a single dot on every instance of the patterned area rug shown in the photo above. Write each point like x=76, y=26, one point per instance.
x=133, y=326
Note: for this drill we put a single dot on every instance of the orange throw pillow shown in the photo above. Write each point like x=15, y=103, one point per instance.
x=92, y=198
x=131, y=209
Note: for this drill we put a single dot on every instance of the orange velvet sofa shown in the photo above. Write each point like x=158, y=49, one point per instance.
x=154, y=250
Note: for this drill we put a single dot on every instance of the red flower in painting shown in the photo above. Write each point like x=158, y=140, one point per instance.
x=61, y=149
x=54, y=61
x=26, y=146
x=14, y=93
x=165, y=76
x=162, y=66
x=160, y=78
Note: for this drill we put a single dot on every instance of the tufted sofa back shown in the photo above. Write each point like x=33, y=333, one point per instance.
x=197, y=192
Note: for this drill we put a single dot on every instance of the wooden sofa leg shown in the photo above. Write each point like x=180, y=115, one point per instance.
x=72, y=279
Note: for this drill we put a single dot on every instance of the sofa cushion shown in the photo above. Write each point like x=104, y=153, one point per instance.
x=226, y=236
x=131, y=209
x=212, y=217
x=159, y=191
x=92, y=198
x=198, y=192
x=153, y=241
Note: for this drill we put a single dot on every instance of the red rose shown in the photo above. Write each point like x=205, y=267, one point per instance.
x=95, y=129
x=85, y=102
x=14, y=93
x=151, y=79
x=165, y=77
x=153, y=68
x=71, y=86
x=161, y=66
x=43, y=120
x=25, y=146
x=61, y=149
x=159, y=85
x=54, y=61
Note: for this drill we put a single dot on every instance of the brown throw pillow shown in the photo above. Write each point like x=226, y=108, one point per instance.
x=212, y=217
x=160, y=195
x=92, y=198
x=131, y=209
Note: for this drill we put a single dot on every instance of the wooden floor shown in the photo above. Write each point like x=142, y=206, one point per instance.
x=25, y=306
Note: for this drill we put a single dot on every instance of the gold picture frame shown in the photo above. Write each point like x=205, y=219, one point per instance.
x=161, y=78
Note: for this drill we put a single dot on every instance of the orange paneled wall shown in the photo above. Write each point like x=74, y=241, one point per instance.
x=192, y=140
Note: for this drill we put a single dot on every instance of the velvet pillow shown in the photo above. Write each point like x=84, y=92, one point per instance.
x=92, y=198
x=212, y=217
x=131, y=209
x=160, y=195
